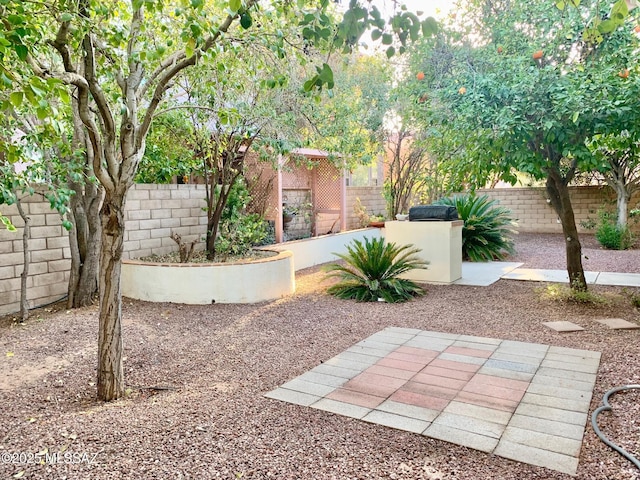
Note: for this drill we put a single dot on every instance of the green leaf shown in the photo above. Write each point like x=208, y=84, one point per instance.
x=16, y=98
x=607, y=26
x=197, y=3
x=391, y=51
x=575, y=116
x=22, y=51
x=235, y=5
x=387, y=39
x=561, y=5
x=309, y=84
x=42, y=113
x=429, y=27
x=376, y=34
x=66, y=17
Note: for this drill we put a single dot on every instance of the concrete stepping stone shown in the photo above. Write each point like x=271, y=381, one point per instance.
x=563, y=326
x=618, y=324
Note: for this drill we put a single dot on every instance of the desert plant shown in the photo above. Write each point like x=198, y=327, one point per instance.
x=611, y=235
x=371, y=272
x=487, y=230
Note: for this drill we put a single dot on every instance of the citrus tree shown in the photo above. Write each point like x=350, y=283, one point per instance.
x=532, y=91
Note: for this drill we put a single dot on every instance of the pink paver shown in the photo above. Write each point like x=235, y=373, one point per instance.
x=419, y=400
x=379, y=385
x=355, y=398
x=391, y=372
x=465, y=367
x=431, y=390
x=439, y=381
x=401, y=364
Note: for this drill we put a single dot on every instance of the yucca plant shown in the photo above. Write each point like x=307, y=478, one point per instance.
x=487, y=230
x=371, y=272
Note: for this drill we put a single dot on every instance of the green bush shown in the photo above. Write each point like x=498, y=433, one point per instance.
x=371, y=272
x=487, y=230
x=610, y=235
x=239, y=231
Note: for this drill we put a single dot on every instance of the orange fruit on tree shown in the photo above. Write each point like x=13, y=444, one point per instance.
x=420, y=76
x=637, y=29
x=462, y=91
x=623, y=73
x=538, y=55
x=500, y=49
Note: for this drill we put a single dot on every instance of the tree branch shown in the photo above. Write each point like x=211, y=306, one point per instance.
x=166, y=75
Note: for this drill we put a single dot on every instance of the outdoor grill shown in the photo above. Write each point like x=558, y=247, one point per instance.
x=433, y=213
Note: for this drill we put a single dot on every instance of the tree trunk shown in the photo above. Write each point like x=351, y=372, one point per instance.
x=622, y=204
x=84, y=236
x=26, y=234
x=558, y=192
x=84, y=240
x=110, y=369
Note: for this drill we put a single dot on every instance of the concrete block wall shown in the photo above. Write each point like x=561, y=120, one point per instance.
x=49, y=251
x=534, y=214
x=370, y=197
x=154, y=212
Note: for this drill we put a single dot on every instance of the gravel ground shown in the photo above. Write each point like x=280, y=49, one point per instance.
x=215, y=362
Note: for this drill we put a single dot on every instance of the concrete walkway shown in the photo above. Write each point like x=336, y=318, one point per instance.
x=486, y=273
x=524, y=401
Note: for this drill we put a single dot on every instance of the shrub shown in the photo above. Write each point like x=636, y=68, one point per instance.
x=564, y=293
x=612, y=236
x=371, y=272
x=239, y=231
x=487, y=230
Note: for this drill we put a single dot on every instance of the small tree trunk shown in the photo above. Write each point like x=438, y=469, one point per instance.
x=84, y=236
x=26, y=234
x=558, y=192
x=110, y=368
x=84, y=240
x=622, y=204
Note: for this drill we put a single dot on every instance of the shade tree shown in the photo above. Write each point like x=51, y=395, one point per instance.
x=119, y=59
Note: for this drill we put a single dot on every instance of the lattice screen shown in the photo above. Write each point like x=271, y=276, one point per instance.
x=323, y=182
x=327, y=189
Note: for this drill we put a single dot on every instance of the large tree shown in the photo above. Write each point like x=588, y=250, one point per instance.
x=120, y=58
x=523, y=78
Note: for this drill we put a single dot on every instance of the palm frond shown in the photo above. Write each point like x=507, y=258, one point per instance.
x=370, y=271
x=488, y=228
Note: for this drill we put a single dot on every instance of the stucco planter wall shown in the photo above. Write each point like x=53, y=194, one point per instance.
x=200, y=284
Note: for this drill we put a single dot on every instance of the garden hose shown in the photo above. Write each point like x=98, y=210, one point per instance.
x=606, y=407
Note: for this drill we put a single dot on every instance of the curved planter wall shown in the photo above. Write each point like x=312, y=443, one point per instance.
x=200, y=284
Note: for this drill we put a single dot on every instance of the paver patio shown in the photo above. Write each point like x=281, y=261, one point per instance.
x=524, y=401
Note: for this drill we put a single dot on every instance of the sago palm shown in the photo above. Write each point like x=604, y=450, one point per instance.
x=487, y=230
x=371, y=271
